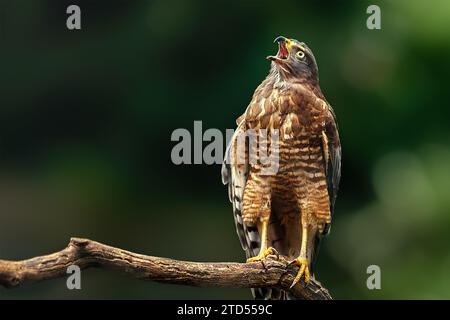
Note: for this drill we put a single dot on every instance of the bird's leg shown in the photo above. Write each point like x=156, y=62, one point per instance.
x=263, y=251
x=302, y=260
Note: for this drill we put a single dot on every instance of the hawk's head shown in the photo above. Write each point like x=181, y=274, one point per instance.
x=294, y=60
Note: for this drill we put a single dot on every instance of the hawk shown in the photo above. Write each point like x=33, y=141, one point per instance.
x=287, y=210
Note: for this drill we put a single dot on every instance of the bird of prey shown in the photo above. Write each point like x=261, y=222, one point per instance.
x=288, y=210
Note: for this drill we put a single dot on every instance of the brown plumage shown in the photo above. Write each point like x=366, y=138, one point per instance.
x=289, y=208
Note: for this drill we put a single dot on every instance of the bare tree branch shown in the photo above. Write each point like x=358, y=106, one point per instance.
x=271, y=272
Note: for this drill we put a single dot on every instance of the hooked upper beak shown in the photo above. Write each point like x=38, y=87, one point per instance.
x=283, y=49
x=280, y=39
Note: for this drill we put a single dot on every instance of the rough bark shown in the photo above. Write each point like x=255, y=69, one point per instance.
x=273, y=271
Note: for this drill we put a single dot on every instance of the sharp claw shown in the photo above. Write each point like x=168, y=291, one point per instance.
x=307, y=275
x=304, y=270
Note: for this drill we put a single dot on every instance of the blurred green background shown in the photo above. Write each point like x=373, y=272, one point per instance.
x=86, y=118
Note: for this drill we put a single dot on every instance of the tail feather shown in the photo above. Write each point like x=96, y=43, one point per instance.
x=269, y=294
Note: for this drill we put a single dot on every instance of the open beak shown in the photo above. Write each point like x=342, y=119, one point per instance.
x=283, y=51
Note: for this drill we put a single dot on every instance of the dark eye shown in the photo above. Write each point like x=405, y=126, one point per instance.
x=300, y=55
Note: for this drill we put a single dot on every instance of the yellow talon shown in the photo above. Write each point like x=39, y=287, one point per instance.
x=262, y=254
x=304, y=270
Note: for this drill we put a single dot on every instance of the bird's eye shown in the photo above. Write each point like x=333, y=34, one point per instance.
x=300, y=55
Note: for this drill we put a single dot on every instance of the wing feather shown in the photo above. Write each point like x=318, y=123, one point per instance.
x=235, y=170
x=331, y=147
